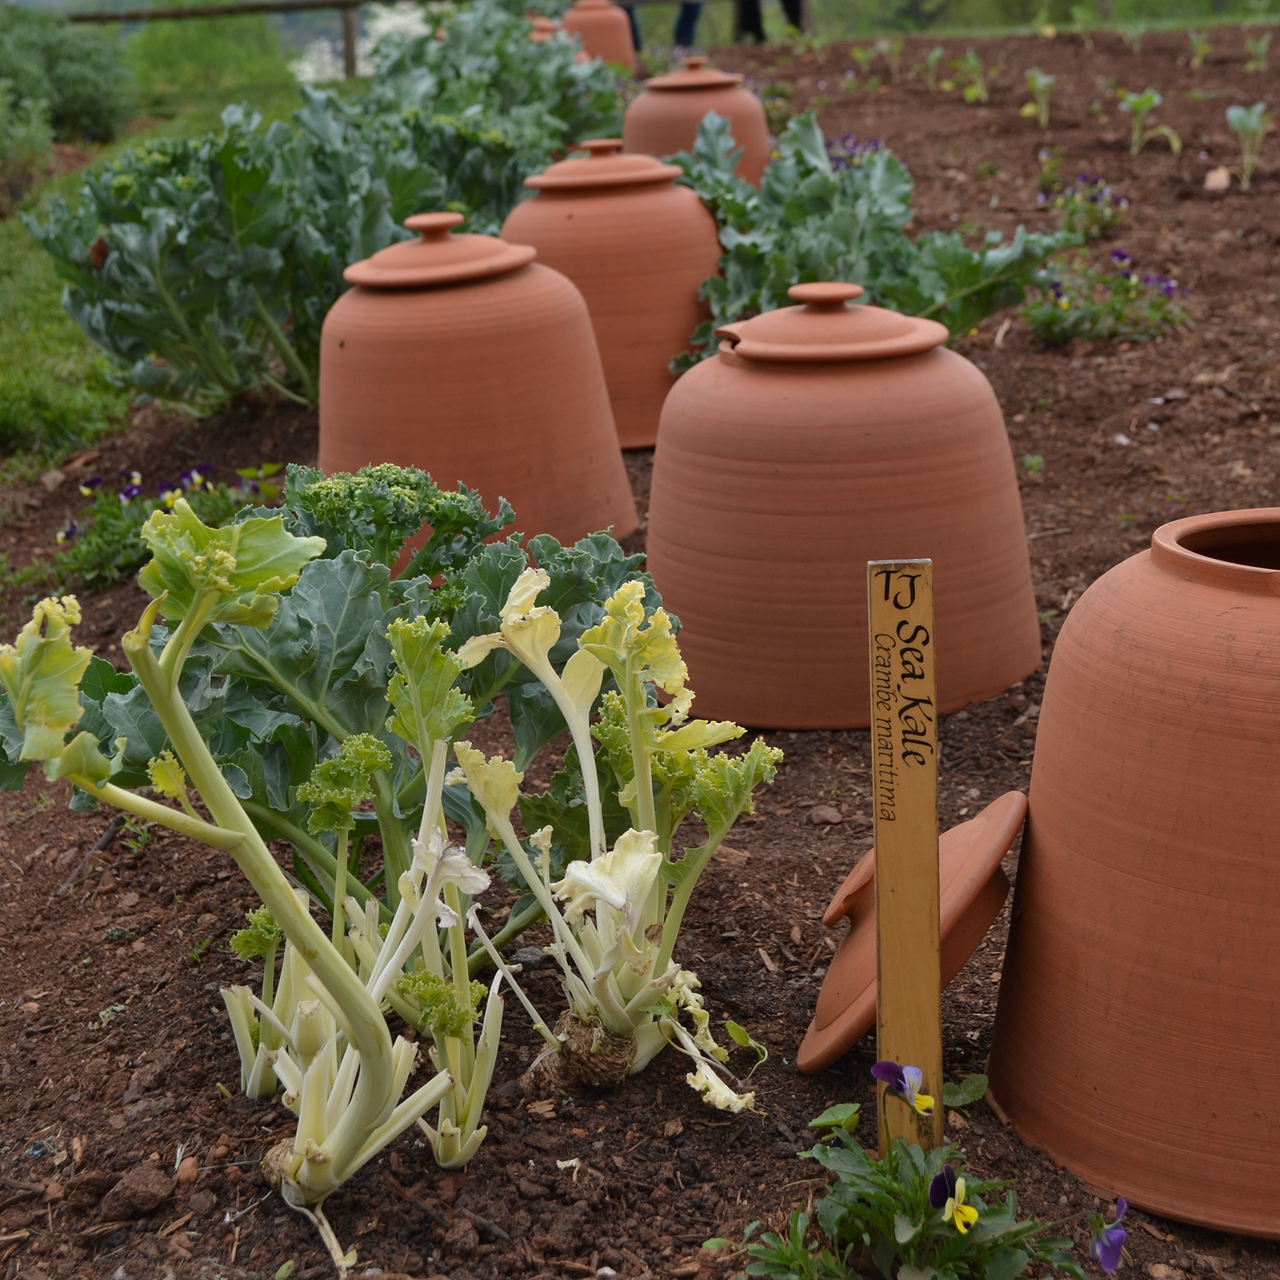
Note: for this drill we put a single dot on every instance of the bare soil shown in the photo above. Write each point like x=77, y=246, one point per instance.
x=115, y=1039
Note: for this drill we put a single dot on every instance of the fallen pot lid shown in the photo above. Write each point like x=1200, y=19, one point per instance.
x=605, y=166
x=696, y=75
x=973, y=889
x=438, y=257
x=826, y=328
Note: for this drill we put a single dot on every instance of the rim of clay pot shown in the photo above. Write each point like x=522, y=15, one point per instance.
x=605, y=166
x=696, y=75
x=1234, y=550
x=438, y=257
x=826, y=328
x=969, y=857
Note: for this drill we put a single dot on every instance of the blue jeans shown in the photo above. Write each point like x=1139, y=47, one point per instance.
x=686, y=29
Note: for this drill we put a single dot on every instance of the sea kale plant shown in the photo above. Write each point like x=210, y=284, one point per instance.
x=298, y=671
x=616, y=913
x=840, y=214
x=917, y=1215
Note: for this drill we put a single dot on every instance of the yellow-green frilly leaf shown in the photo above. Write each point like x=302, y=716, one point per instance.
x=243, y=565
x=341, y=781
x=438, y=999
x=83, y=758
x=724, y=783
x=494, y=782
x=41, y=673
x=259, y=937
x=423, y=700
x=167, y=776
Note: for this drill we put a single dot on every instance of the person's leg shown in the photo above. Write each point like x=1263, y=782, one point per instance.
x=686, y=31
x=635, y=27
x=748, y=21
x=794, y=9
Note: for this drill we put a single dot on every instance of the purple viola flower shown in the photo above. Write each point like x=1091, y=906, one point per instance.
x=90, y=486
x=65, y=535
x=1119, y=256
x=131, y=477
x=128, y=493
x=942, y=1187
x=169, y=494
x=1106, y=1241
x=905, y=1082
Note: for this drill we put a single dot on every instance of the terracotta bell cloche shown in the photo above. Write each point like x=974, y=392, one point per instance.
x=1138, y=1025
x=639, y=248
x=461, y=355
x=972, y=890
x=604, y=29
x=820, y=437
x=665, y=118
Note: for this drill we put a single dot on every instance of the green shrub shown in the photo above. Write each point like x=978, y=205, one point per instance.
x=207, y=54
x=1100, y=303
x=24, y=144
x=77, y=70
x=836, y=211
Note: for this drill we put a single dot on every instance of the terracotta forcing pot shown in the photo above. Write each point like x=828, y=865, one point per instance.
x=665, y=118
x=604, y=29
x=820, y=437
x=638, y=247
x=461, y=355
x=1139, y=1018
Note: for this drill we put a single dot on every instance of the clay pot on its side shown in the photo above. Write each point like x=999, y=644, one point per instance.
x=461, y=355
x=604, y=29
x=639, y=248
x=821, y=437
x=1139, y=1018
x=665, y=118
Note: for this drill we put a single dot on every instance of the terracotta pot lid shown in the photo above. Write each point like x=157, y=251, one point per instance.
x=605, y=166
x=696, y=75
x=438, y=257
x=826, y=328
x=968, y=860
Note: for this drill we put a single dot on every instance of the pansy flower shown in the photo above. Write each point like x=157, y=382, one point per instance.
x=131, y=477
x=905, y=1082
x=65, y=535
x=90, y=486
x=1106, y=1241
x=169, y=494
x=128, y=493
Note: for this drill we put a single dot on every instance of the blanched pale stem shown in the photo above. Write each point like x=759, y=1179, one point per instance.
x=340, y=890
x=501, y=965
x=612, y=1012
x=514, y=927
x=635, y=700
x=269, y=973
x=254, y=859
x=696, y=861
x=151, y=811
x=412, y=1108
x=435, y=789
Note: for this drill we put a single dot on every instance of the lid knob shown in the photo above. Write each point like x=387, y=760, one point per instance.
x=435, y=227
x=695, y=61
x=825, y=296
x=601, y=147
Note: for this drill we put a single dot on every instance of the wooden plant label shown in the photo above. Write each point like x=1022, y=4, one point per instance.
x=904, y=759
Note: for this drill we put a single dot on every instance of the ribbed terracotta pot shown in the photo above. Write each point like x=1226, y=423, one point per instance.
x=665, y=118
x=604, y=29
x=461, y=355
x=820, y=437
x=639, y=248
x=1138, y=1028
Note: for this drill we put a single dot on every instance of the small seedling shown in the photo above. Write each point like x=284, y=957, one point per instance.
x=931, y=61
x=1258, y=47
x=956, y=1097
x=1132, y=36
x=863, y=55
x=1200, y=48
x=1083, y=17
x=743, y=1038
x=1033, y=465
x=1038, y=86
x=197, y=952
x=843, y=1115
x=1050, y=177
x=1140, y=106
x=1250, y=125
x=891, y=50
x=977, y=78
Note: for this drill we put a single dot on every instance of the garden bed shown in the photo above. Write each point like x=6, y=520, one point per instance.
x=124, y=1061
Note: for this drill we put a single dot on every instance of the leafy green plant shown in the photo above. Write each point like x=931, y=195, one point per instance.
x=1100, y=303
x=1132, y=36
x=864, y=55
x=931, y=62
x=1140, y=106
x=1200, y=48
x=1038, y=86
x=890, y=49
x=974, y=1088
x=1250, y=125
x=839, y=214
x=778, y=111
x=975, y=76
x=1049, y=176
x=1033, y=465
x=25, y=137
x=1258, y=48
x=626, y=995
x=77, y=70
x=1088, y=207
x=1084, y=19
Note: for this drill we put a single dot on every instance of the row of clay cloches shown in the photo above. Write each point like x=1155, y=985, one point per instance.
x=604, y=30
x=461, y=355
x=639, y=248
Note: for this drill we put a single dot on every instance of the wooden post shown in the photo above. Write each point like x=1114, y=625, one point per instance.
x=350, y=28
x=904, y=756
